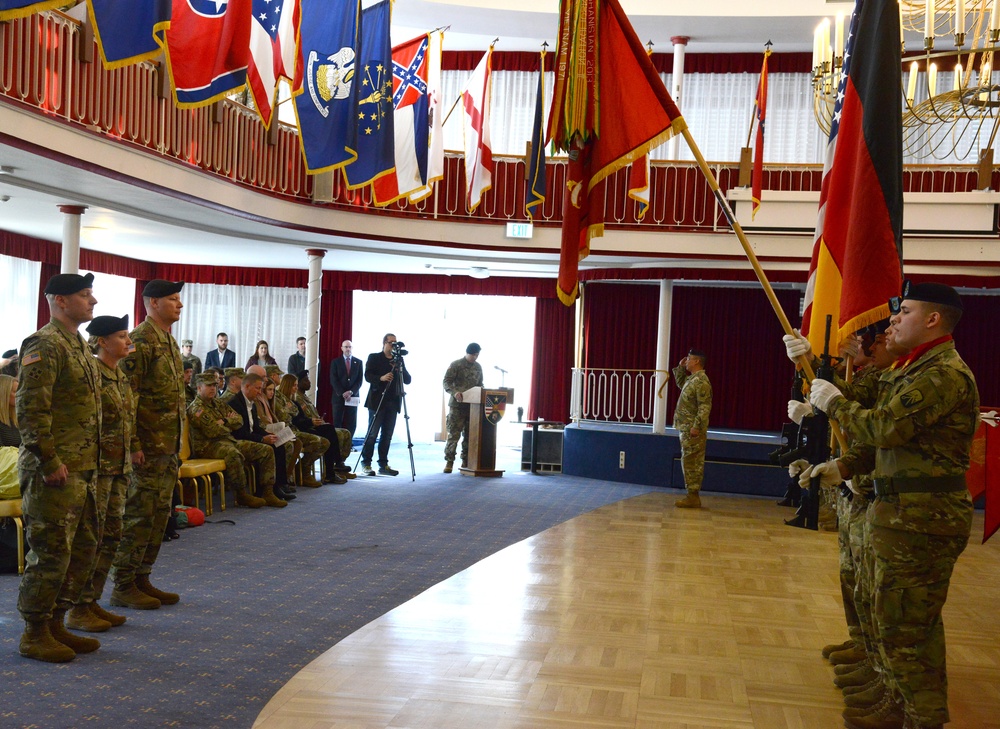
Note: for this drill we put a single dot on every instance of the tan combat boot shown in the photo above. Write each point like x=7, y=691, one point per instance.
x=271, y=500
x=76, y=643
x=449, y=466
x=81, y=618
x=103, y=614
x=309, y=479
x=166, y=598
x=38, y=643
x=131, y=596
x=834, y=647
x=850, y=655
x=691, y=501
x=243, y=498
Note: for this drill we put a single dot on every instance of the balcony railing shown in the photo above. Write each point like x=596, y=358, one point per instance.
x=41, y=70
x=616, y=396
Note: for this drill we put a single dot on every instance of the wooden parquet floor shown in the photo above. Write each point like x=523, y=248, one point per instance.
x=635, y=615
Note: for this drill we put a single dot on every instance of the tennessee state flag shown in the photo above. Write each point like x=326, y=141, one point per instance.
x=857, y=252
x=274, y=29
x=760, y=113
x=124, y=29
x=410, y=121
x=10, y=9
x=609, y=109
x=208, y=49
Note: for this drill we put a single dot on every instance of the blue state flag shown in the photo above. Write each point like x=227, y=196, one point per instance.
x=124, y=29
x=10, y=9
x=325, y=99
x=534, y=194
x=373, y=88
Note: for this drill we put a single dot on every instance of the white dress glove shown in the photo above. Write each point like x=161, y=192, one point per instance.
x=828, y=473
x=797, y=467
x=798, y=410
x=796, y=345
x=822, y=393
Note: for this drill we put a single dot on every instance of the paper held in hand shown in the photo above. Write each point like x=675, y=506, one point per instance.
x=473, y=394
x=281, y=430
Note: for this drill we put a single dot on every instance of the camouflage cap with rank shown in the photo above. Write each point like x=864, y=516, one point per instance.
x=206, y=378
x=234, y=372
x=64, y=284
x=102, y=326
x=272, y=370
x=932, y=293
x=158, y=288
x=187, y=343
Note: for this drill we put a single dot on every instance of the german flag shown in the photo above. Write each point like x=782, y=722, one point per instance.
x=857, y=251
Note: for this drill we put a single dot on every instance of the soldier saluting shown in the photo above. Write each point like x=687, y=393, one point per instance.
x=59, y=416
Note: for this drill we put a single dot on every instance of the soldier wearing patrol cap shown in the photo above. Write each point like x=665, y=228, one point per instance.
x=186, y=357
x=918, y=437
x=110, y=341
x=691, y=421
x=234, y=380
x=155, y=373
x=57, y=469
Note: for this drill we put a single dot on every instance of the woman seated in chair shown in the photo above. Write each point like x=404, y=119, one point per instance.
x=268, y=415
x=9, y=434
x=261, y=356
x=308, y=428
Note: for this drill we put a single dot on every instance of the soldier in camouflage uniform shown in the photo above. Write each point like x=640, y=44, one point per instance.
x=155, y=373
x=691, y=422
x=234, y=380
x=336, y=470
x=58, y=405
x=918, y=438
x=212, y=424
x=110, y=341
x=187, y=357
x=190, y=393
x=461, y=375
x=315, y=445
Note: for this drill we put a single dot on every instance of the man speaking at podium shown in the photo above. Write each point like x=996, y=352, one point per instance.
x=461, y=375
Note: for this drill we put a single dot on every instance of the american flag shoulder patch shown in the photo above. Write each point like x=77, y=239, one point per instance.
x=30, y=359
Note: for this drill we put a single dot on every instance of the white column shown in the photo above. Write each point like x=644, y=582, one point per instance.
x=576, y=389
x=677, y=82
x=71, y=238
x=663, y=357
x=312, y=317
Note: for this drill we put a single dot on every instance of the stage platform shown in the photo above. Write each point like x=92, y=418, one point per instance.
x=736, y=462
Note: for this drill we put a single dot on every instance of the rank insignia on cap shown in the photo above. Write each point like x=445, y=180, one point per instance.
x=912, y=398
x=30, y=359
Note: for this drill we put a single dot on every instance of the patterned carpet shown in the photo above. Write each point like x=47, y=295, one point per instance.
x=262, y=598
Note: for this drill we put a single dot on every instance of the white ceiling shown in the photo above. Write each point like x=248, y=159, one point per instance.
x=140, y=223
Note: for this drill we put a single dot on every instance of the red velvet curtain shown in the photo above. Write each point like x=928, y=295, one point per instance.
x=437, y=284
x=664, y=62
x=553, y=360
x=48, y=271
x=233, y=275
x=979, y=346
x=336, y=314
x=620, y=325
x=740, y=334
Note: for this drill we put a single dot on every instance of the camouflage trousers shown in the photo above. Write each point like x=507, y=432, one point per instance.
x=846, y=520
x=916, y=539
x=61, y=527
x=111, y=490
x=147, y=509
x=224, y=450
x=457, y=425
x=261, y=457
x=693, y=460
x=313, y=447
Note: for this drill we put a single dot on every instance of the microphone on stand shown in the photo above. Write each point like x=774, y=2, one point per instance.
x=502, y=373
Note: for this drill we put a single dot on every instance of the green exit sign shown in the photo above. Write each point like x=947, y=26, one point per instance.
x=518, y=230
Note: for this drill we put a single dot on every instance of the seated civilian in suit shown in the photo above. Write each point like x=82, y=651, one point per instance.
x=261, y=356
x=244, y=404
x=346, y=375
x=309, y=430
x=297, y=362
x=212, y=424
x=223, y=356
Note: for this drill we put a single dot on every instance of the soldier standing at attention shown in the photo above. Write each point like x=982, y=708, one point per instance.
x=919, y=434
x=691, y=422
x=154, y=371
x=461, y=375
x=58, y=405
x=110, y=341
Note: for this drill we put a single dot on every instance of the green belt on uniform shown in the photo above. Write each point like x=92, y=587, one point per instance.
x=919, y=485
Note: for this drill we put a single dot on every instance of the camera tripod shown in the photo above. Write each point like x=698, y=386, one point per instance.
x=397, y=385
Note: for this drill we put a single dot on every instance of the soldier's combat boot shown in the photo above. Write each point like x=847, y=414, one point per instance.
x=38, y=643
x=103, y=614
x=271, y=500
x=243, y=498
x=873, y=696
x=888, y=714
x=308, y=477
x=851, y=655
x=449, y=466
x=165, y=598
x=848, y=690
x=81, y=618
x=834, y=647
x=131, y=596
x=856, y=678
x=842, y=669
x=691, y=501
x=76, y=643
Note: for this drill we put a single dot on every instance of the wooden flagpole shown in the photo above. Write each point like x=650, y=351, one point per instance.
x=752, y=257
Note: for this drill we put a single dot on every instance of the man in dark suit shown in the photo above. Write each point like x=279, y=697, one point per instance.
x=223, y=356
x=346, y=374
x=271, y=480
x=384, y=403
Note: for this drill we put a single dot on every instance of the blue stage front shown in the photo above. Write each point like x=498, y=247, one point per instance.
x=736, y=462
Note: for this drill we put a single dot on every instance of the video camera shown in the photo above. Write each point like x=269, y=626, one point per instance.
x=398, y=352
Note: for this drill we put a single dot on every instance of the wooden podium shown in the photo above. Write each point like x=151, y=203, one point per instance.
x=485, y=411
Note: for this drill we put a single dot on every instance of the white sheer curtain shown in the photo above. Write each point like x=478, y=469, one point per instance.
x=247, y=314
x=115, y=297
x=717, y=108
x=18, y=300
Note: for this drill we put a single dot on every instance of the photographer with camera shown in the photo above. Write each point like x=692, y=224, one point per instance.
x=386, y=373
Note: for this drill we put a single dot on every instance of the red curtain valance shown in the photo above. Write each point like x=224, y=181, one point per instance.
x=542, y=288
x=664, y=62
x=233, y=275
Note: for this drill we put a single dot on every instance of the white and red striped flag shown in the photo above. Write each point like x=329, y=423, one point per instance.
x=478, y=154
x=273, y=34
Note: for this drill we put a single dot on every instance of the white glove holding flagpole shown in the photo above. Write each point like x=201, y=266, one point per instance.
x=796, y=345
x=796, y=467
x=822, y=393
x=798, y=410
x=828, y=473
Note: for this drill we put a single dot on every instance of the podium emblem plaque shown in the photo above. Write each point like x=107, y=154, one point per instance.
x=494, y=404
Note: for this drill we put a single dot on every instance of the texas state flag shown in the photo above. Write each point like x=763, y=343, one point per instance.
x=208, y=49
x=273, y=32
